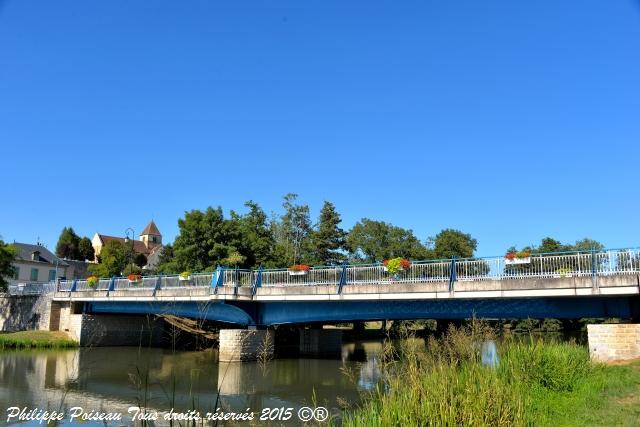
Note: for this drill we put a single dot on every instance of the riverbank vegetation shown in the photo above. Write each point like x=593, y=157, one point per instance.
x=35, y=339
x=534, y=383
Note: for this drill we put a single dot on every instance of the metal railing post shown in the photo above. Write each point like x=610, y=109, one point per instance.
x=452, y=273
x=74, y=285
x=594, y=275
x=156, y=288
x=258, y=282
x=112, y=284
x=219, y=279
x=343, y=278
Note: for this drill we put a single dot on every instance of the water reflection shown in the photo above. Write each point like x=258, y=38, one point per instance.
x=112, y=379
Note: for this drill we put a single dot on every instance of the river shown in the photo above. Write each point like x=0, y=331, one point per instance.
x=110, y=380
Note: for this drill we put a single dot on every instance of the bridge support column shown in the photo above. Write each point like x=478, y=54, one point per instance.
x=241, y=345
x=614, y=341
x=322, y=343
x=100, y=330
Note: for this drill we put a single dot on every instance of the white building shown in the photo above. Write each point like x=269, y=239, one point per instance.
x=36, y=264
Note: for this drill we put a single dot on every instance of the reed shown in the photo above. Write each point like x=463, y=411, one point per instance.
x=443, y=383
x=35, y=339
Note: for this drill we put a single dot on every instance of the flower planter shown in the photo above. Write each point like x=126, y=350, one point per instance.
x=135, y=282
x=184, y=279
x=562, y=276
x=384, y=267
x=297, y=272
x=526, y=260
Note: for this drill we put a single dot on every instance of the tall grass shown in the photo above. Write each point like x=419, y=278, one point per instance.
x=35, y=339
x=444, y=383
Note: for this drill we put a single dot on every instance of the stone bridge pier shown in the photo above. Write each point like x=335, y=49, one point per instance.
x=260, y=344
x=103, y=330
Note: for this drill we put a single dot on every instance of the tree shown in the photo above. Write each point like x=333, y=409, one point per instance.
x=587, y=244
x=204, y=240
x=549, y=244
x=85, y=249
x=373, y=241
x=251, y=236
x=292, y=233
x=329, y=239
x=166, y=261
x=114, y=258
x=451, y=243
x=7, y=255
x=68, y=245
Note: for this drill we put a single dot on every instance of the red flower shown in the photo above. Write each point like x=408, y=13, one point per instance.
x=134, y=277
x=300, y=267
x=510, y=256
x=405, y=264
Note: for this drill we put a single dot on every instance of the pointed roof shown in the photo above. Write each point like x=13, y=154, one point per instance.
x=151, y=229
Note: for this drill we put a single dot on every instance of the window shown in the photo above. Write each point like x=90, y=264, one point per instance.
x=17, y=275
x=153, y=239
x=34, y=275
x=52, y=275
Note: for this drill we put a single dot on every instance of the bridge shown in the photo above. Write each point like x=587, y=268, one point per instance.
x=559, y=285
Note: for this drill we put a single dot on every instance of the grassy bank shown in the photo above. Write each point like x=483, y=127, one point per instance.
x=535, y=384
x=35, y=339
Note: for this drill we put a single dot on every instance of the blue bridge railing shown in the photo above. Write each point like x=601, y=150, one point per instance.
x=551, y=265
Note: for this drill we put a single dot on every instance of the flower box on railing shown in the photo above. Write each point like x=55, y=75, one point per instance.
x=522, y=257
x=134, y=279
x=395, y=265
x=526, y=260
x=298, y=270
x=185, y=276
x=92, y=281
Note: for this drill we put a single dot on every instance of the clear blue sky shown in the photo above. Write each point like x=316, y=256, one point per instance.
x=508, y=120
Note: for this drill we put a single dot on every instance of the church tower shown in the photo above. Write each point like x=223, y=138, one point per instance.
x=151, y=236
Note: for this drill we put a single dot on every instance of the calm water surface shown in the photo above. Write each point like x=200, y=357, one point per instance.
x=114, y=379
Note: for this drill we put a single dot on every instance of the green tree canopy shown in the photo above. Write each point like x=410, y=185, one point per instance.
x=329, y=239
x=85, y=249
x=114, y=257
x=166, y=261
x=68, y=245
x=204, y=241
x=293, y=232
x=449, y=243
x=71, y=246
x=587, y=244
x=377, y=240
x=251, y=236
x=7, y=255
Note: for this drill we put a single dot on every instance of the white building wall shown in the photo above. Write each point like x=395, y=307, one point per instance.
x=24, y=273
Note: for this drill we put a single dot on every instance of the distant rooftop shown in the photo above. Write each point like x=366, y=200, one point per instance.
x=151, y=229
x=37, y=253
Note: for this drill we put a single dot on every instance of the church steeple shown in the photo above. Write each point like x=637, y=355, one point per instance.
x=151, y=236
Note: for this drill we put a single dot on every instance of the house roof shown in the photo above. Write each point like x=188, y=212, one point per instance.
x=138, y=246
x=151, y=229
x=26, y=250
